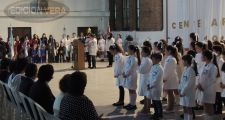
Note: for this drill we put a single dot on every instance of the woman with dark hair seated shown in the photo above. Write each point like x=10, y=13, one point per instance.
x=27, y=81
x=63, y=88
x=40, y=92
x=75, y=105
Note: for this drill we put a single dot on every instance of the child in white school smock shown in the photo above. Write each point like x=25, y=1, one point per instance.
x=130, y=75
x=170, y=77
x=207, y=82
x=155, y=85
x=116, y=51
x=187, y=86
x=218, y=107
x=144, y=70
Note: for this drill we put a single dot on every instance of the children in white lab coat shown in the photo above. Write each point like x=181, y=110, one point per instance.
x=199, y=47
x=170, y=77
x=155, y=85
x=101, y=48
x=217, y=49
x=116, y=51
x=144, y=70
x=207, y=83
x=223, y=80
x=187, y=86
x=130, y=75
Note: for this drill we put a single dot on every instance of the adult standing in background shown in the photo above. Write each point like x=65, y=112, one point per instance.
x=119, y=40
x=92, y=49
x=110, y=41
x=101, y=48
x=51, y=49
x=82, y=38
x=43, y=44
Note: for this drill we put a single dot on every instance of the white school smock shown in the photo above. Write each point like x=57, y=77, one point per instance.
x=108, y=43
x=118, y=69
x=130, y=70
x=207, y=80
x=101, y=45
x=187, y=87
x=155, y=82
x=170, y=74
x=223, y=81
x=92, y=47
x=219, y=79
x=144, y=70
x=180, y=67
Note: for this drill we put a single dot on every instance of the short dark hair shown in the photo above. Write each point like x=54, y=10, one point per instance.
x=4, y=64
x=45, y=72
x=21, y=64
x=63, y=83
x=157, y=56
x=77, y=83
x=31, y=70
x=218, y=48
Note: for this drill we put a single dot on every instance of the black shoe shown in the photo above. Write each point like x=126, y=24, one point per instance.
x=126, y=106
x=164, y=99
x=142, y=101
x=109, y=66
x=93, y=67
x=131, y=107
x=118, y=104
x=155, y=117
x=182, y=116
x=198, y=108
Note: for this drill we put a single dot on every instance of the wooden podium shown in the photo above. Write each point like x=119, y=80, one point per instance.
x=79, y=60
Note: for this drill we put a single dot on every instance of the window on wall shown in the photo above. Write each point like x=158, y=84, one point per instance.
x=126, y=14
x=140, y=15
x=137, y=14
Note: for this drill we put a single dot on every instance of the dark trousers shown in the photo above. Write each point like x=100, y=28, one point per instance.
x=121, y=95
x=92, y=59
x=110, y=58
x=87, y=56
x=218, y=104
x=158, y=108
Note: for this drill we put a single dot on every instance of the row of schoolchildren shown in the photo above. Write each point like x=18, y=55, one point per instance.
x=195, y=76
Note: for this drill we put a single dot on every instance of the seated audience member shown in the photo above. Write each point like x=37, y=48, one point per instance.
x=15, y=78
x=40, y=92
x=28, y=80
x=75, y=105
x=58, y=99
x=4, y=70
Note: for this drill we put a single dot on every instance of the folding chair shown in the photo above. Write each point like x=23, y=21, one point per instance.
x=27, y=106
x=9, y=94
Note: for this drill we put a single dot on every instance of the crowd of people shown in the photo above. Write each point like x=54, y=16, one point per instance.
x=48, y=50
x=193, y=78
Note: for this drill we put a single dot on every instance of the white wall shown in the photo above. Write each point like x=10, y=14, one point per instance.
x=83, y=13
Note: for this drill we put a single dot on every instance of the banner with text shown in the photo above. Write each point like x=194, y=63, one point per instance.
x=205, y=17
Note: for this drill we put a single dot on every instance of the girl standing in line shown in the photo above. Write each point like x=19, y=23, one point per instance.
x=170, y=77
x=144, y=70
x=130, y=75
x=187, y=87
x=207, y=83
x=116, y=51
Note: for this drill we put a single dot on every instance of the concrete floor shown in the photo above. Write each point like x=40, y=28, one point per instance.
x=102, y=91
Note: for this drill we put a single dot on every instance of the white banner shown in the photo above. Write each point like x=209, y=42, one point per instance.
x=206, y=17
